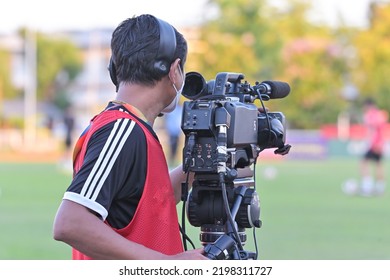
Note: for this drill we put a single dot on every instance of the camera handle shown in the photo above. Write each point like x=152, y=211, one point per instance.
x=283, y=150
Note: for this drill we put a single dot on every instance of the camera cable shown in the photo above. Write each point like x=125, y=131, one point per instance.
x=228, y=213
x=184, y=191
x=185, y=237
x=254, y=228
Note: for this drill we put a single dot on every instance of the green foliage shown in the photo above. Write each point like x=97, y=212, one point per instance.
x=372, y=70
x=263, y=42
x=234, y=42
x=315, y=96
x=6, y=88
x=313, y=64
x=59, y=61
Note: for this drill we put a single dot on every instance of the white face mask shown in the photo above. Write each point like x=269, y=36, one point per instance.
x=171, y=105
x=174, y=102
x=178, y=92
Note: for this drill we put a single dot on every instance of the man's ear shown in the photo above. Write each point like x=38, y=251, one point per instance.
x=174, y=71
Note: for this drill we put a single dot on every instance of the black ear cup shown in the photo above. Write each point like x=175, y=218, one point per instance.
x=165, y=54
x=112, y=71
x=167, y=47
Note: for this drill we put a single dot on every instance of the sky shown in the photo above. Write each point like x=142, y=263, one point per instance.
x=57, y=15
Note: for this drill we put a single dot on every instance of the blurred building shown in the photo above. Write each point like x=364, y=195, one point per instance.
x=88, y=93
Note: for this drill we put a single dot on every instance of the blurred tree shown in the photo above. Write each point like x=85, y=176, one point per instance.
x=264, y=42
x=58, y=63
x=372, y=71
x=234, y=41
x=314, y=65
x=6, y=88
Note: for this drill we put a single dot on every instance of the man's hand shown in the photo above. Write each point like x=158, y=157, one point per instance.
x=196, y=254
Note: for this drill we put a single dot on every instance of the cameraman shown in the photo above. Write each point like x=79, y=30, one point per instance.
x=121, y=203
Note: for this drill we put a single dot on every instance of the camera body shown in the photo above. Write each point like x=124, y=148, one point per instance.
x=199, y=117
x=224, y=134
x=227, y=102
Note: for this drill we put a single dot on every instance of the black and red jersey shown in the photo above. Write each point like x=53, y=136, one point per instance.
x=111, y=179
x=105, y=184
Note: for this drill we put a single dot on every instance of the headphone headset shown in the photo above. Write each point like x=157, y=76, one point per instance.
x=165, y=53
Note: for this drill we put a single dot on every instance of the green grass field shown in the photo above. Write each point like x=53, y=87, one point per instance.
x=304, y=212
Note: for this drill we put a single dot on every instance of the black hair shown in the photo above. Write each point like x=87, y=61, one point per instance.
x=134, y=46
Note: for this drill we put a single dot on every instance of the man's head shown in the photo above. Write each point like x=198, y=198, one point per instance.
x=143, y=49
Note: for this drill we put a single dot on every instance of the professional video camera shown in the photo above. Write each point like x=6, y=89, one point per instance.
x=224, y=134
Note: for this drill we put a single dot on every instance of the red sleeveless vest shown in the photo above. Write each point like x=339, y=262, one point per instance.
x=155, y=222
